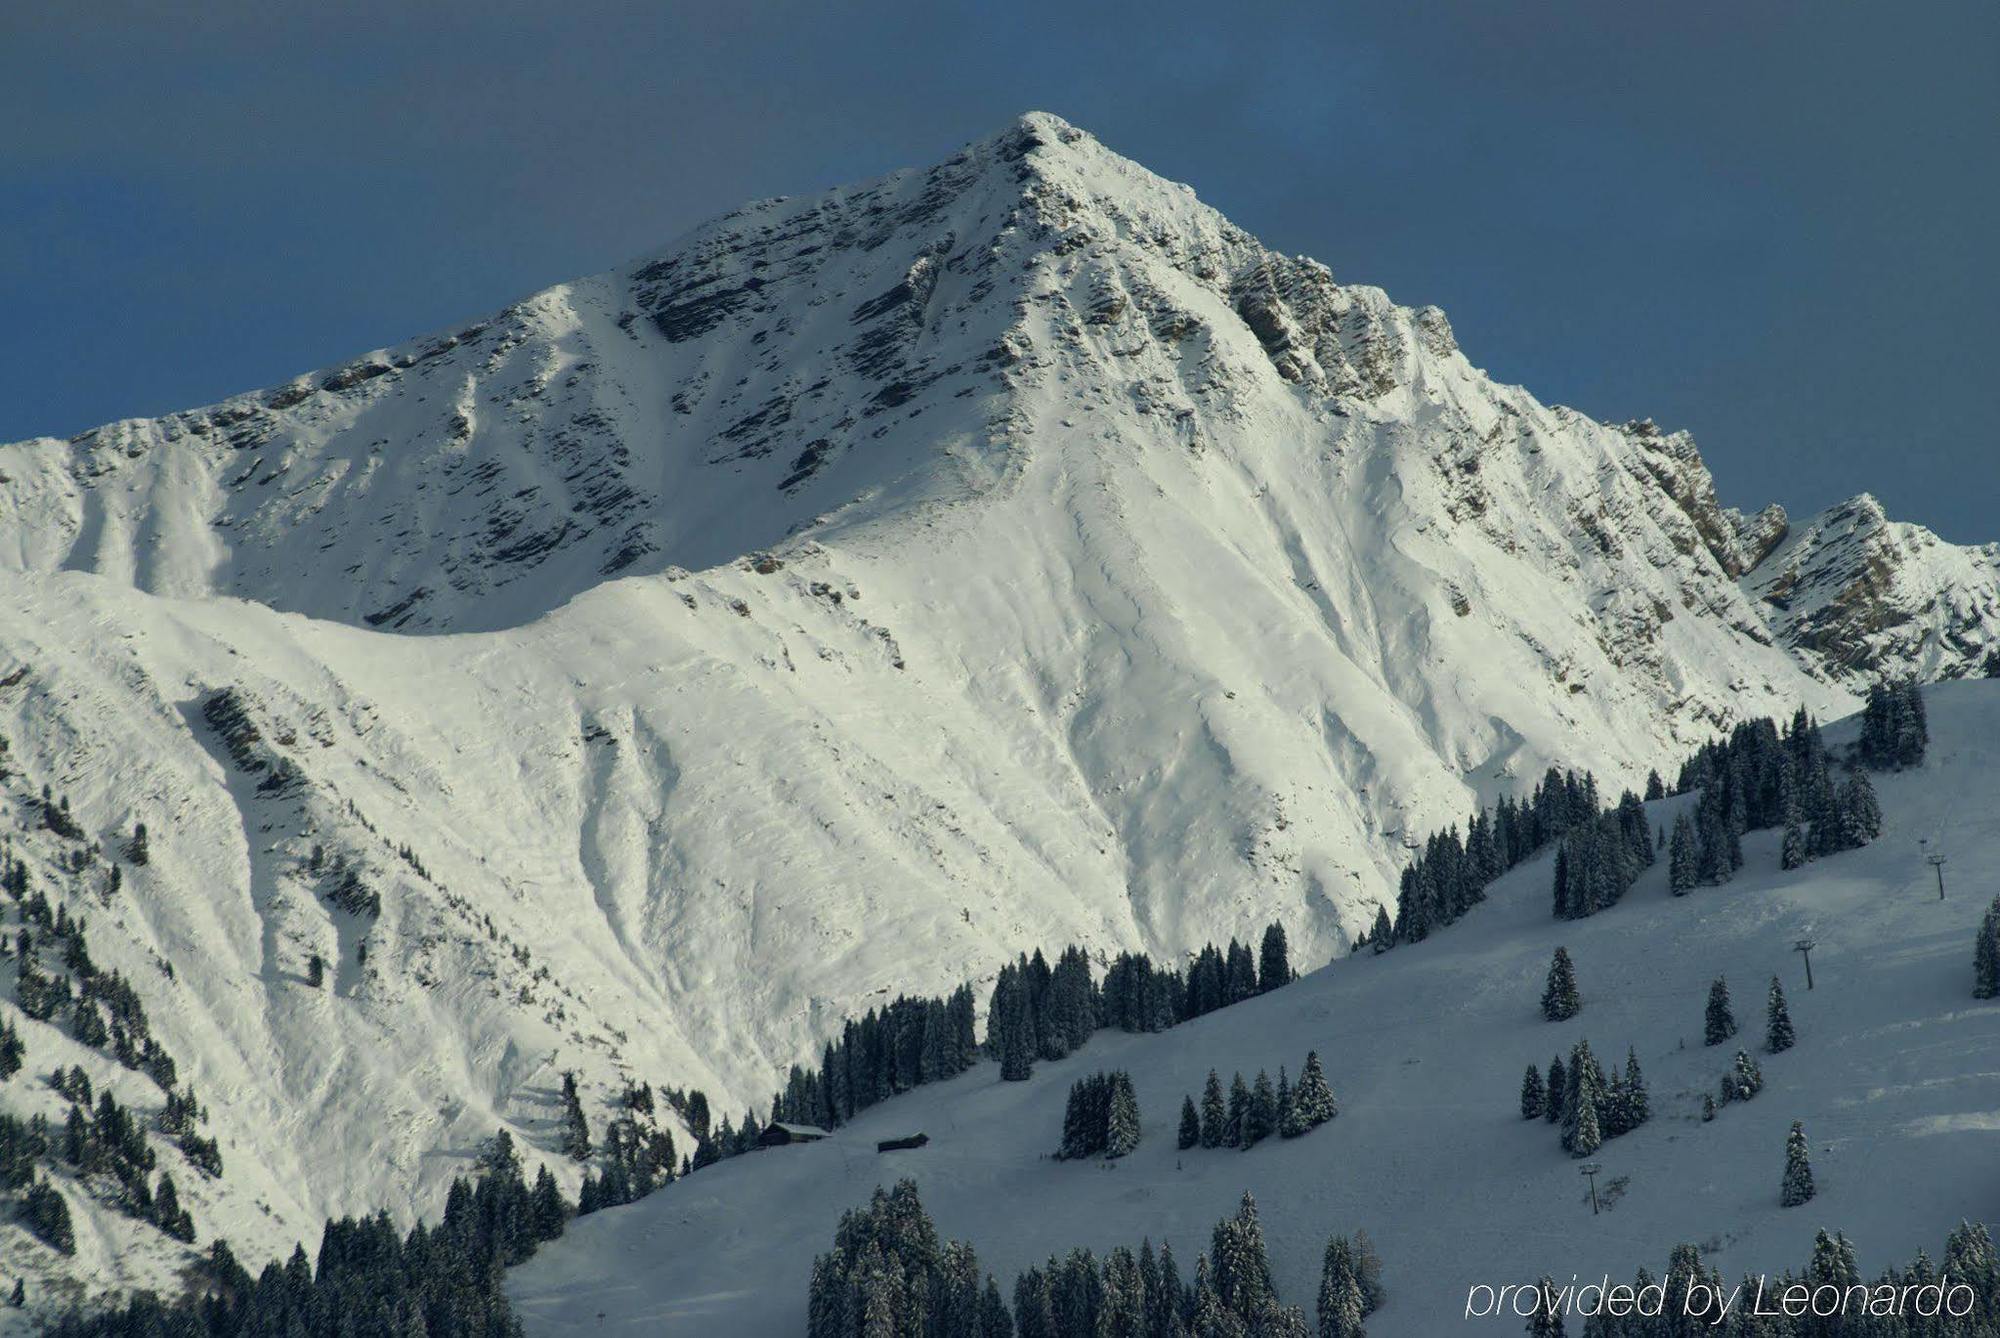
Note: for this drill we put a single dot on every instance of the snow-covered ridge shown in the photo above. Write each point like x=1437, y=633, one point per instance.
x=1009, y=553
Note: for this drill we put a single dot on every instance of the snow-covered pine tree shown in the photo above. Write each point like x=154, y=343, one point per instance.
x=1236, y=1131
x=1798, y=1183
x=1793, y=853
x=1560, y=1000
x=1985, y=963
x=1121, y=1134
x=1547, y=1320
x=575, y=1126
x=1681, y=859
x=1638, y=1102
x=1718, y=1024
x=1340, y=1309
x=1313, y=1098
x=1274, y=962
x=1531, y=1094
x=1555, y=1092
x=1382, y=936
x=1744, y=1079
x=1289, y=1123
x=1214, y=1116
x=1190, y=1131
x=1261, y=1121
x=1778, y=1034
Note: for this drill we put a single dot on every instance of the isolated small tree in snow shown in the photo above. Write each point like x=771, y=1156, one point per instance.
x=1719, y=1024
x=1214, y=1117
x=316, y=971
x=1778, y=1034
x=1531, y=1094
x=1560, y=1000
x=137, y=849
x=1707, y=1107
x=1744, y=1079
x=1312, y=1098
x=1190, y=1125
x=1986, y=955
x=1798, y=1186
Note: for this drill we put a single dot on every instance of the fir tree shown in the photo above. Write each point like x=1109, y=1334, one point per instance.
x=1340, y=1299
x=1382, y=936
x=1744, y=1079
x=1560, y=1000
x=1554, y=1092
x=1122, y=1125
x=1214, y=1118
x=1547, y=1320
x=1190, y=1133
x=1312, y=1098
x=47, y=1215
x=1707, y=1107
x=1238, y=1128
x=1638, y=1102
x=575, y=1126
x=1274, y=964
x=1531, y=1094
x=1778, y=1034
x=1719, y=1024
x=1681, y=864
x=1587, y=1137
x=316, y=971
x=1793, y=853
x=1985, y=963
x=1261, y=1119
x=1798, y=1184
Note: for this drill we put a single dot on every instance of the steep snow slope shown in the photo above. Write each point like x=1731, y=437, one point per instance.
x=1859, y=596
x=1009, y=553
x=1896, y=1076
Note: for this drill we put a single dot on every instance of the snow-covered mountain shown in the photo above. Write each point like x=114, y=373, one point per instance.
x=1860, y=596
x=1893, y=1075
x=1009, y=553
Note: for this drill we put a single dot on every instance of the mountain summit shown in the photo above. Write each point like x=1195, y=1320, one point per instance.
x=1010, y=553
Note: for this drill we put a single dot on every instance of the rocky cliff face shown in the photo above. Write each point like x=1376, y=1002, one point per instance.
x=1010, y=553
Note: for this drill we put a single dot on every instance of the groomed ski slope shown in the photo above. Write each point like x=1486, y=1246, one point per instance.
x=1896, y=1075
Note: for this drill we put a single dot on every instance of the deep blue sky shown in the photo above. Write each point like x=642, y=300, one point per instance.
x=1770, y=223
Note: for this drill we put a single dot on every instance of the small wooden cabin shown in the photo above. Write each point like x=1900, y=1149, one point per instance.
x=783, y=1135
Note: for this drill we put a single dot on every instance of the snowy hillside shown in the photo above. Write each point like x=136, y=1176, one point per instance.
x=1009, y=553
x=1893, y=1075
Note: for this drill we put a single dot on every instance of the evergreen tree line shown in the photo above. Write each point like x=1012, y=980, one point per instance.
x=442, y=1282
x=1763, y=777
x=1894, y=728
x=1450, y=877
x=1599, y=859
x=1888, y=1307
x=1586, y=1103
x=1255, y=1111
x=889, y=1275
x=1101, y=1118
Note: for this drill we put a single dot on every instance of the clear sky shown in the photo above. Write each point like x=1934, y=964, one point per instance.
x=1771, y=223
